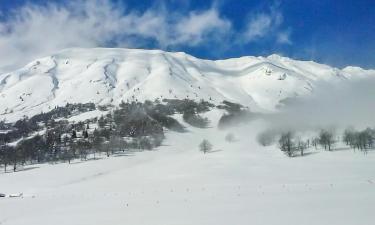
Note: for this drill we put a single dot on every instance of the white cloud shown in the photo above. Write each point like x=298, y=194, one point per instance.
x=35, y=31
x=198, y=25
x=283, y=37
x=258, y=27
x=266, y=25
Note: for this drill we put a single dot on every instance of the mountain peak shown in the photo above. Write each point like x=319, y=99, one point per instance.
x=275, y=57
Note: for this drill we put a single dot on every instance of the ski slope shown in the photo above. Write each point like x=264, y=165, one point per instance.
x=109, y=76
x=237, y=183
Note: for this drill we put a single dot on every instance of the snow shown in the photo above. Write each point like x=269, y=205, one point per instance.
x=108, y=76
x=237, y=183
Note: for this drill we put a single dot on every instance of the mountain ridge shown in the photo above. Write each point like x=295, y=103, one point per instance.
x=109, y=76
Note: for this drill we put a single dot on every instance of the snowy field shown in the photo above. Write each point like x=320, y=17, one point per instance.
x=237, y=183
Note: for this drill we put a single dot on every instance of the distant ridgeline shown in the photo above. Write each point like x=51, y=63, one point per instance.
x=50, y=137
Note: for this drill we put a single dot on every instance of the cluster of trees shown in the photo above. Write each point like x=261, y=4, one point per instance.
x=49, y=137
x=63, y=112
x=191, y=111
x=292, y=144
x=195, y=120
x=26, y=126
x=56, y=142
x=40, y=138
x=187, y=105
x=132, y=125
x=235, y=114
x=362, y=140
x=326, y=139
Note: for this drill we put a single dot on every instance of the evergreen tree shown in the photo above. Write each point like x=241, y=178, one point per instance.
x=74, y=134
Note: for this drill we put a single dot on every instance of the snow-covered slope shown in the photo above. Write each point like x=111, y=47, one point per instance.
x=237, y=183
x=106, y=76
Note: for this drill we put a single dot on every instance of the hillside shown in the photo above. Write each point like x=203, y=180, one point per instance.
x=109, y=76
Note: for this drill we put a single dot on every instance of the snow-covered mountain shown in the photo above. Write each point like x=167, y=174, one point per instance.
x=108, y=76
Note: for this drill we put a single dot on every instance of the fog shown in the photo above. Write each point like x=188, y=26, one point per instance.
x=340, y=104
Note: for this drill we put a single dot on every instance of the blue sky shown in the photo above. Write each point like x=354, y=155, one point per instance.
x=338, y=33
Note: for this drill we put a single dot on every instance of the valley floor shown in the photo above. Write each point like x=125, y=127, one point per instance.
x=238, y=183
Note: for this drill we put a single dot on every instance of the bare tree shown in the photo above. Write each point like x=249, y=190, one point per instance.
x=301, y=146
x=349, y=136
x=365, y=140
x=362, y=140
x=205, y=146
x=287, y=144
x=326, y=139
x=315, y=142
x=5, y=154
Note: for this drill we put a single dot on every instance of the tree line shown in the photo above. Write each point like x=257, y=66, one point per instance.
x=293, y=144
x=49, y=137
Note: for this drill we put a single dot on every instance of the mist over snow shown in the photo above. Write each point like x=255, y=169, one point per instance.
x=338, y=104
x=237, y=182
